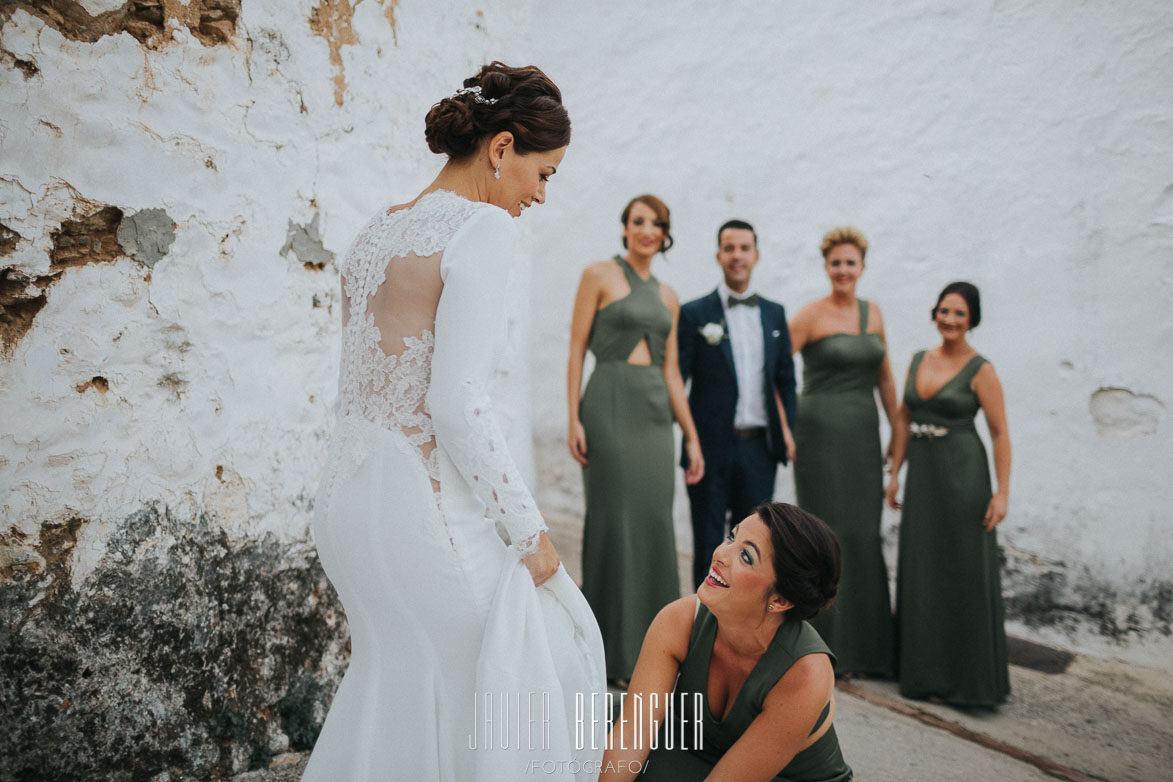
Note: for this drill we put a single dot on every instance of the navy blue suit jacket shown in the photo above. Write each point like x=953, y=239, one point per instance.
x=713, y=397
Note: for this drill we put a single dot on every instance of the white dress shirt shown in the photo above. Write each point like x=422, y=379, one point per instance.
x=744, y=324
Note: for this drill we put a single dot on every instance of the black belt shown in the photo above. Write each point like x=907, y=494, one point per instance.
x=750, y=433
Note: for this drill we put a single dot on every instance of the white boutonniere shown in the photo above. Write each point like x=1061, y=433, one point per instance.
x=713, y=332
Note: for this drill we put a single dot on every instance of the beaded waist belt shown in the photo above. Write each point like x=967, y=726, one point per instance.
x=927, y=430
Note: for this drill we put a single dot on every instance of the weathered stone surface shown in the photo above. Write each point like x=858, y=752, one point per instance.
x=211, y=21
x=89, y=238
x=184, y=649
x=305, y=242
x=147, y=235
x=1063, y=598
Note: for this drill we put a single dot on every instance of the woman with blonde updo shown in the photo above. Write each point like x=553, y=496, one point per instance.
x=838, y=469
x=419, y=476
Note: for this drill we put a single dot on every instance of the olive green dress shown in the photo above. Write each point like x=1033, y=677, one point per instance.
x=951, y=639
x=629, y=567
x=838, y=476
x=690, y=760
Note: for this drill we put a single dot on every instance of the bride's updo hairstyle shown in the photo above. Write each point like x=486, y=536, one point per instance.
x=522, y=101
x=806, y=558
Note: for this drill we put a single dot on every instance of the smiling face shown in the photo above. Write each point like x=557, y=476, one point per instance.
x=737, y=255
x=952, y=316
x=741, y=578
x=643, y=233
x=523, y=178
x=844, y=265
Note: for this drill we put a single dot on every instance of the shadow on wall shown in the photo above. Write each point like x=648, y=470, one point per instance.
x=184, y=650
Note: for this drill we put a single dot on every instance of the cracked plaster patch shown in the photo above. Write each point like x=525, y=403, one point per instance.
x=147, y=235
x=333, y=21
x=1121, y=411
x=305, y=243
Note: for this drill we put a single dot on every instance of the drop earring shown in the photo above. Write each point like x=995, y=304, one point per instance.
x=497, y=172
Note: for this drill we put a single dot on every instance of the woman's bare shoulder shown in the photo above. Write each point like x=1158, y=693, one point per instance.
x=812, y=675
x=672, y=627
x=669, y=297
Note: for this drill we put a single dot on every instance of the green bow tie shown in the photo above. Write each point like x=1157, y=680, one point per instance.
x=749, y=301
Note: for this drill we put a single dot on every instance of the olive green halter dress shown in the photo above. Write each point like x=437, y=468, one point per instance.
x=838, y=476
x=688, y=762
x=951, y=638
x=629, y=567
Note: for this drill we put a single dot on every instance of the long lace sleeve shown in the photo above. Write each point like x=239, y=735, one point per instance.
x=470, y=335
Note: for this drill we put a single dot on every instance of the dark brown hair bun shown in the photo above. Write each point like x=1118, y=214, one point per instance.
x=522, y=101
x=807, y=560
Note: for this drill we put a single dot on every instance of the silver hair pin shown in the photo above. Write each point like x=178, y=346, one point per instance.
x=476, y=92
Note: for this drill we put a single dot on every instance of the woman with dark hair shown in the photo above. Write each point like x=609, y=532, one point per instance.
x=621, y=433
x=733, y=682
x=951, y=639
x=838, y=467
x=419, y=476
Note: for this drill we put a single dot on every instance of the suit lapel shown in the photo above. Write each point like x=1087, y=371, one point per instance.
x=717, y=313
x=769, y=343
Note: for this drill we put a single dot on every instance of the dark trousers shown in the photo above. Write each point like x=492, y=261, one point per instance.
x=727, y=493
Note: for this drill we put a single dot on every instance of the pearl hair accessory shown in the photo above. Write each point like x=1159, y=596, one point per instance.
x=476, y=93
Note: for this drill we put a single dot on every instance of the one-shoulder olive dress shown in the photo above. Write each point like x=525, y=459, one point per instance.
x=951, y=638
x=692, y=761
x=838, y=476
x=629, y=547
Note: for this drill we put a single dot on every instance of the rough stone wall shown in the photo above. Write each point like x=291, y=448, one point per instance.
x=177, y=180
x=1019, y=145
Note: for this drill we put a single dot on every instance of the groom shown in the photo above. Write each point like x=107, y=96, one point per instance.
x=735, y=346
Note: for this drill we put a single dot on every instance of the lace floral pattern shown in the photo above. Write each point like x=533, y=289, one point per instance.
x=393, y=391
x=509, y=501
x=389, y=390
x=423, y=229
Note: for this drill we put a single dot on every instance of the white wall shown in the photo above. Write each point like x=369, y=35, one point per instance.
x=1020, y=145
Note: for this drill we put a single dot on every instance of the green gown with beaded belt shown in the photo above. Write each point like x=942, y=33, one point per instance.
x=838, y=476
x=629, y=569
x=949, y=614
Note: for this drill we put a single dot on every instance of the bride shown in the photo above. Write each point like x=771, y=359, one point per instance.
x=457, y=660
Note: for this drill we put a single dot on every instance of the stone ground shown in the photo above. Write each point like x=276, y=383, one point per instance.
x=1072, y=717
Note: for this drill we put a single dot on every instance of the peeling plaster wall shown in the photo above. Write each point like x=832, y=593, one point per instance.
x=178, y=179
x=1019, y=145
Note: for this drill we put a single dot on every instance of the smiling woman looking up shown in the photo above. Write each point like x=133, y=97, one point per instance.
x=753, y=674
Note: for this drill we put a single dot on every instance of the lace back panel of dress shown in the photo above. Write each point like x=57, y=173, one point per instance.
x=391, y=287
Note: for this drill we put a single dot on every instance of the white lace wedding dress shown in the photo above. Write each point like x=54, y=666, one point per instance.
x=452, y=646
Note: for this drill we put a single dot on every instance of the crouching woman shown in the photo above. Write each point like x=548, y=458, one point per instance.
x=755, y=695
